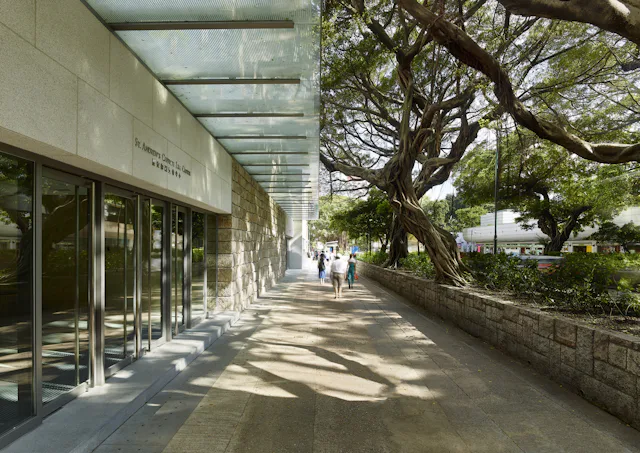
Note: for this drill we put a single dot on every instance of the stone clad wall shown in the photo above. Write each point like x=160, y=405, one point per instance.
x=602, y=366
x=252, y=247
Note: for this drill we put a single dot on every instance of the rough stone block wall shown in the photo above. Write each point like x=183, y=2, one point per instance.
x=602, y=366
x=251, y=246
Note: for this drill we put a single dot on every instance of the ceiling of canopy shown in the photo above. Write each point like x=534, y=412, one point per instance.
x=249, y=70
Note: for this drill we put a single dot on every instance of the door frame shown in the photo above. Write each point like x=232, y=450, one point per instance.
x=110, y=371
x=51, y=173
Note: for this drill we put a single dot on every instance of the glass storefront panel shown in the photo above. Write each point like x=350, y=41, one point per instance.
x=119, y=227
x=66, y=235
x=16, y=294
x=152, y=266
x=198, y=265
x=177, y=268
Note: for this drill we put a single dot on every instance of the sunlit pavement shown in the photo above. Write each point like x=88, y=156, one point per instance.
x=304, y=372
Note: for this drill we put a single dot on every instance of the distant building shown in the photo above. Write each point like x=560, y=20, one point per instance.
x=514, y=239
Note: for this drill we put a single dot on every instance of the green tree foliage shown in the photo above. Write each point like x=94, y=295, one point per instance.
x=610, y=233
x=370, y=216
x=557, y=192
x=408, y=86
x=321, y=230
x=453, y=214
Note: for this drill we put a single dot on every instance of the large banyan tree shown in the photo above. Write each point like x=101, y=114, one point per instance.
x=408, y=86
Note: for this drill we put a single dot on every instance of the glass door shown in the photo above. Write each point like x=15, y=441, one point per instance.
x=152, y=241
x=16, y=301
x=198, y=266
x=178, y=250
x=120, y=277
x=66, y=273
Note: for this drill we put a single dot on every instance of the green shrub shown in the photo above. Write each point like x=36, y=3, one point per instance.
x=198, y=255
x=377, y=258
x=418, y=264
x=585, y=283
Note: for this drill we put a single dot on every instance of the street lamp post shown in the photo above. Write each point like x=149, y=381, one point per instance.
x=495, y=192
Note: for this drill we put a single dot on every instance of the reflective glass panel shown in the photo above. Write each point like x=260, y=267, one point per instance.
x=66, y=225
x=16, y=261
x=198, y=265
x=152, y=247
x=119, y=334
x=248, y=98
x=177, y=269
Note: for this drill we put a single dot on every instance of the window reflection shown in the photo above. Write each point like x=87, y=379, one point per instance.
x=65, y=286
x=177, y=249
x=198, y=266
x=152, y=227
x=16, y=261
x=119, y=334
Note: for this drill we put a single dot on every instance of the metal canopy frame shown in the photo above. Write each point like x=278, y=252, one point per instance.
x=249, y=115
x=273, y=81
x=202, y=25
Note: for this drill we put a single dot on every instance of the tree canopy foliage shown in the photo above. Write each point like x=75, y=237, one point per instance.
x=559, y=192
x=321, y=230
x=453, y=213
x=625, y=235
x=371, y=216
x=408, y=87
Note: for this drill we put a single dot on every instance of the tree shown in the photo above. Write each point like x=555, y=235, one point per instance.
x=321, y=230
x=558, y=191
x=453, y=213
x=372, y=216
x=405, y=95
x=610, y=233
x=465, y=49
x=621, y=16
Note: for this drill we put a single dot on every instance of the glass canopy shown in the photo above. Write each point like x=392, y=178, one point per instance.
x=248, y=70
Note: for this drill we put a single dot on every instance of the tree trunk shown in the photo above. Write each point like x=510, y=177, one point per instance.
x=555, y=244
x=398, y=243
x=438, y=242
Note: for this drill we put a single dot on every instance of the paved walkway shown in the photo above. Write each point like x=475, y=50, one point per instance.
x=302, y=372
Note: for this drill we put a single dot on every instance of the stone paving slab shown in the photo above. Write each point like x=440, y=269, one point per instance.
x=304, y=372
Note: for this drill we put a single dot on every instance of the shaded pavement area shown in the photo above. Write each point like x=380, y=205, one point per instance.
x=304, y=372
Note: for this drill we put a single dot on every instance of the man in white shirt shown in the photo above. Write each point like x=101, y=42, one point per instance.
x=338, y=274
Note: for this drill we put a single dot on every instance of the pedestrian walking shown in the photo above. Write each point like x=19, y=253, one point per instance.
x=322, y=268
x=351, y=273
x=338, y=275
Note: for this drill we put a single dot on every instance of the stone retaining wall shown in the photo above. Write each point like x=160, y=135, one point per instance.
x=251, y=246
x=602, y=366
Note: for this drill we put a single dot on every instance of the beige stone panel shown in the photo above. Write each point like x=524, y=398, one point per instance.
x=167, y=116
x=199, y=182
x=180, y=171
x=68, y=32
x=225, y=196
x=38, y=97
x=148, y=148
x=219, y=192
x=225, y=164
x=131, y=83
x=105, y=130
x=190, y=135
x=20, y=16
x=208, y=156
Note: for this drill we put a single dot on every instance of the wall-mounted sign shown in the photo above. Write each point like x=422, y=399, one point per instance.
x=162, y=162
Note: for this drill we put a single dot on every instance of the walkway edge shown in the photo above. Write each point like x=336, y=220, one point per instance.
x=83, y=424
x=591, y=362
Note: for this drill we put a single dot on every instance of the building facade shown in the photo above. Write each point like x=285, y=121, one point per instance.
x=514, y=239
x=128, y=215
